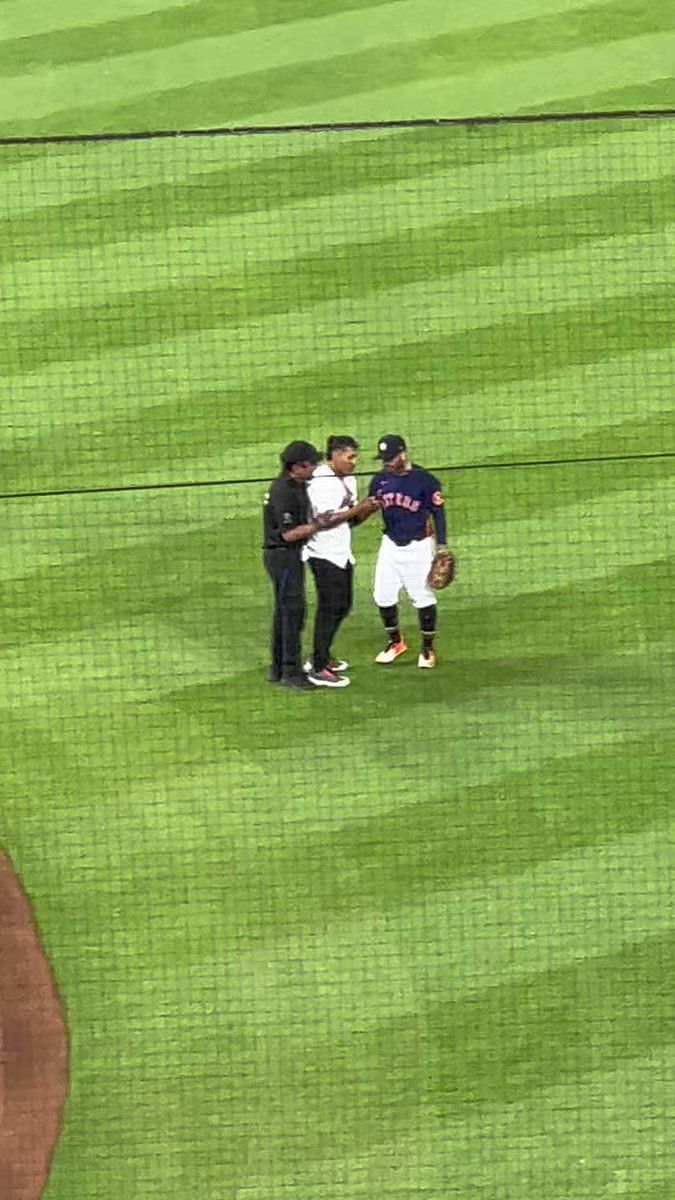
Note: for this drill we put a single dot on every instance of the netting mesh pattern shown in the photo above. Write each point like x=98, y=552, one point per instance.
x=411, y=940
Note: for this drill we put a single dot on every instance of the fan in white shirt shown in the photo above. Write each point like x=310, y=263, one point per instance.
x=332, y=489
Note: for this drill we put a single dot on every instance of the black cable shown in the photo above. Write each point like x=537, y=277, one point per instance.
x=56, y=139
x=263, y=479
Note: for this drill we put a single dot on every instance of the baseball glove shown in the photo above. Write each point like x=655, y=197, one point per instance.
x=442, y=570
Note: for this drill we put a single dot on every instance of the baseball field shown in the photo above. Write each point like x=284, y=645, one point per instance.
x=412, y=940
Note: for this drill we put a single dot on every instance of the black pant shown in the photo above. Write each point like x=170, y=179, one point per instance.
x=334, y=586
x=287, y=572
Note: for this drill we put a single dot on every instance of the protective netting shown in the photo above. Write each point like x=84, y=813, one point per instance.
x=410, y=939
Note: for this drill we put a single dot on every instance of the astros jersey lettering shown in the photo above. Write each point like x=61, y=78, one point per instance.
x=408, y=502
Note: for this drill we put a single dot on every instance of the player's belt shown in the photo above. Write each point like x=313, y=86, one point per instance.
x=421, y=537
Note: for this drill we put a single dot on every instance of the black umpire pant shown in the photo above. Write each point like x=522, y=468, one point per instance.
x=334, y=590
x=287, y=572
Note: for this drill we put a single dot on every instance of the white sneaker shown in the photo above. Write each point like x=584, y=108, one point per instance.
x=391, y=651
x=328, y=678
x=427, y=660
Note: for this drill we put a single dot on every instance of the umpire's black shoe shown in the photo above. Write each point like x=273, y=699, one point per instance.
x=299, y=683
x=273, y=676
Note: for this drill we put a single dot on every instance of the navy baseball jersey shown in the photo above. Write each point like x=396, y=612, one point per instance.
x=409, y=503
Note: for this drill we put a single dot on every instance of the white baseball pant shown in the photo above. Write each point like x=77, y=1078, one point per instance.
x=403, y=567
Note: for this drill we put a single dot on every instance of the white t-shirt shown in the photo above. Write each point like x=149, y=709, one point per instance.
x=329, y=492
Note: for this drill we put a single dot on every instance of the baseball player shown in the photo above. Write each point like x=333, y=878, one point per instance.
x=411, y=500
x=332, y=493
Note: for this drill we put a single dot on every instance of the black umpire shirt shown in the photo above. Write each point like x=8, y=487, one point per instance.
x=286, y=506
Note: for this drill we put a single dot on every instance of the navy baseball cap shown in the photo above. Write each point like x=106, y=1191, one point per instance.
x=389, y=446
x=299, y=452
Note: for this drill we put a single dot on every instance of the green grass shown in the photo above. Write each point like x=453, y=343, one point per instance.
x=170, y=64
x=412, y=941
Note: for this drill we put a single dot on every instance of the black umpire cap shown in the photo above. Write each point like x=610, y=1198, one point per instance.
x=299, y=452
x=389, y=446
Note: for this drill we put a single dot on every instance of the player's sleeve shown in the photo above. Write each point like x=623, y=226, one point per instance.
x=374, y=486
x=285, y=512
x=435, y=504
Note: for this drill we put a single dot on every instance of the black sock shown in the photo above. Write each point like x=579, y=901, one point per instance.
x=427, y=643
x=390, y=621
x=427, y=619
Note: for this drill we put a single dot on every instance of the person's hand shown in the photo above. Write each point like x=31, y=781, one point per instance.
x=368, y=506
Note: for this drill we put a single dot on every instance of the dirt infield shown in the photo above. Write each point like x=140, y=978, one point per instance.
x=33, y=1049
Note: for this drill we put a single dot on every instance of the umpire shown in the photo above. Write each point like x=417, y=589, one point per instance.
x=287, y=525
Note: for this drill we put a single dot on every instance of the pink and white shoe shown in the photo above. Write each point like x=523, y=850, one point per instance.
x=327, y=678
x=335, y=664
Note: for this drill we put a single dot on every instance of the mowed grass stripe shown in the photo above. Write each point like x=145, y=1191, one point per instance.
x=238, y=797
x=557, y=196
x=335, y=80
x=499, y=422
x=552, y=716
x=97, y=663
x=464, y=939
x=186, y=174
x=152, y=31
x=135, y=290
x=349, y=393
x=528, y=84
x=587, y=1026
x=77, y=32
x=40, y=533
x=61, y=540
x=65, y=550
x=230, y=56
x=555, y=717
x=202, y=692
x=342, y=183
x=529, y=491
x=481, y=643
x=209, y=441
x=655, y=96
x=457, y=1055
x=502, y=423
x=570, y=541
x=23, y=19
x=416, y=1102
x=565, y=1141
x=40, y=173
x=458, y=53
x=518, y=815
x=347, y=327
x=189, y=277
x=461, y=939
x=100, y=657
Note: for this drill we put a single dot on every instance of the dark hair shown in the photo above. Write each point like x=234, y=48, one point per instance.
x=298, y=452
x=340, y=442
